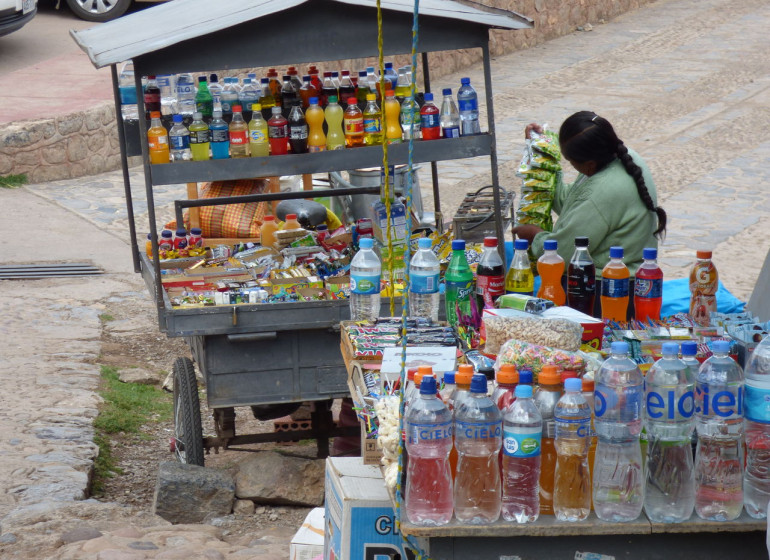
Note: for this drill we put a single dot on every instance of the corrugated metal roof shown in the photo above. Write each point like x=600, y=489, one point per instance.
x=170, y=23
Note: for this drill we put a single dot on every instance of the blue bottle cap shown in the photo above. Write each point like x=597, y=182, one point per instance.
x=428, y=385
x=670, y=348
x=689, y=348
x=428, y=96
x=550, y=244
x=573, y=384
x=449, y=378
x=321, y=227
x=616, y=252
x=619, y=347
x=465, y=81
x=388, y=65
x=523, y=391
x=177, y=118
x=196, y=231
x=370, y=69
x=361, y=73
x=264, y=81
x=650, y=253
x=313, y=101
x=521, y=244
x=479, y=383
x=721, y=346
x=366, y=243
x=446, y=91
x=458, y=245
x=181, y=232
x=525, y=377
x=167, y=233
x=425, y=243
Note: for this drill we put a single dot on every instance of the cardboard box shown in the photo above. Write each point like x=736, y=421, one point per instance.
x=308, y=541
x=339, y=286
x=370, y=453
x=291, y=285
x=359, y=519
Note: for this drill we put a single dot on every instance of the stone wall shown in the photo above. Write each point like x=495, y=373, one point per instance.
x=86, y=143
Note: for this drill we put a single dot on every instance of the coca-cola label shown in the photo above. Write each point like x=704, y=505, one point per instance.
x=239, y=137
x=648, y=288
x=490, y=288
x=298, y=132
x=615, y=287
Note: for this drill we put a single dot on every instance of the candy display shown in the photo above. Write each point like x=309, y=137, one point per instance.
x=535, y=356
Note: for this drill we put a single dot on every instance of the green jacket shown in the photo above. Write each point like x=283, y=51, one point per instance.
x=606, y=208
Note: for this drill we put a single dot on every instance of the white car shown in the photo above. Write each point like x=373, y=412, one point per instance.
x=15, y=14
x=101, y=10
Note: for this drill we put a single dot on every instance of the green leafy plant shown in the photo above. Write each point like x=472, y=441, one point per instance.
x=13, y=181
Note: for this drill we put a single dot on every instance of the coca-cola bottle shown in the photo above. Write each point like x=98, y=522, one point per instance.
x=490, y=275
x=581, y=278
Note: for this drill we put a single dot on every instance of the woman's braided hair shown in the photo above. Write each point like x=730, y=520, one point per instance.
x=585, y=136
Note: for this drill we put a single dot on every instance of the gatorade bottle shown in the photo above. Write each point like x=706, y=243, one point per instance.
x=335, y=137
x=520, y=279
x=550, y=267
x=490, y=275
x=267, y=231
x=220, y=140
x=546, y=397
x=572, y=417
x=157, y=140
x=199, y=138
x=428, y=498
x=704, y=282
x=353, y=123
x=615, y=287
x=588, y=395
x=459, y=284
x=478, y=438
x=581, y=278
x=278, y=133
x=316, y=139
x=392, y=111
x=648, y=288
x=522, y=432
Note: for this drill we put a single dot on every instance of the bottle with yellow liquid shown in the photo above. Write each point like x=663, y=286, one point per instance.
x=372, y=121
x=316, y=138
x=520, y=279
x=335, y=137
x=258, y=141
x=392, y=112
x=199, y=138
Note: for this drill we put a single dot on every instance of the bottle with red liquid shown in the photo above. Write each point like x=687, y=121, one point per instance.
x=648, y=287
x=490, y=275
x=314, y=79
x=328, y=89
x=429, y=119
x=278, y=133
x=151, y=97
x=581, y=278
x=347, y=88
x=550, y=266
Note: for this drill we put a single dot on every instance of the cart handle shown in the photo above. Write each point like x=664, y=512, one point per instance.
x=252, y=337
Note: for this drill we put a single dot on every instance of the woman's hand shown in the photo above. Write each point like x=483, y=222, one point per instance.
x=532, y=127
x=527, y=232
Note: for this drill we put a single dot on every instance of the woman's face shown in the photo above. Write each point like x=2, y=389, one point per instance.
x=587, y=168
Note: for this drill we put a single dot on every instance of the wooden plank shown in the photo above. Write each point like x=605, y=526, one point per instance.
x=307, y=182
x=194, y=213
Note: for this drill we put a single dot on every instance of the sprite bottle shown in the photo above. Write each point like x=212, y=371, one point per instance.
x=459, y=284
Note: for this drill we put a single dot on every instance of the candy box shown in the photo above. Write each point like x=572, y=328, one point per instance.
x=339, y=286
x=291, y=285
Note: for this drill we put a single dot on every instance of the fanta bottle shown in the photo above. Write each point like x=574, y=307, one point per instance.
x=392, y=110
x=550, y=266
x=316, y=139
x=704, y=281
x=615, y=287
x=157, y=139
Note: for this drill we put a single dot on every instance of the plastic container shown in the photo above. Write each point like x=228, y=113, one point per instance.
x=430, y=124
x=428, y=498
x=547, y=395
x=459, y=283
x=259, y=143
x=410, y=118
x=185, y=94
x=220, y=140
x=267, y=231
x=180, y=242
x=463, y=378
x=449, y=116
x=316, y=138
x=618, y=480
x=550, y=267
x=204, y=101
x=468, y=104
x=278, y=133
x=424, y=269
x=522, y=433
x=704, y=282
x=200, y=139
x=507, y=379
x=391, y=109
x=719, y=388
x=238, y=133
x=519, y=279
x=756, y=485
x=669, y=423
x=372, y=121
x=648, y=287
x=353, y=123
x=157, y=141
x=335, y=138
x=448, y=389
x=151, y=97
x=572, y=418
x=478, y=438
x=365, y=271
x=490, y=275
x=297, y=128
x=581, y=278
x=615, y=287
x=290, y=222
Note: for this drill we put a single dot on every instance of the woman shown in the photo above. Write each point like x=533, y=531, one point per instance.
x=613, y=201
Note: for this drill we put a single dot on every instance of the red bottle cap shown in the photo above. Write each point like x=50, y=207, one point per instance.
x=268, y=218
x=291, y=216
x=568, y=374
x=352, y=101
x=490, y=242
x=703, y=254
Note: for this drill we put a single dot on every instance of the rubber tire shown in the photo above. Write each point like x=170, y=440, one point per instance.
x=119, y=8
x=187, y=414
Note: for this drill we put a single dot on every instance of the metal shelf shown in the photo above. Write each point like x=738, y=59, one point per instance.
x=335, y=160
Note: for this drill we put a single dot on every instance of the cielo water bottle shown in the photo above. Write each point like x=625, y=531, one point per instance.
x=522, y=432
x=719, y=421
x=618, y=485
x=424, y=270
x=428, y=499
x=478, y=437
x=670, y=421
x=365, y=270
x=572, y=416
x=756, y=484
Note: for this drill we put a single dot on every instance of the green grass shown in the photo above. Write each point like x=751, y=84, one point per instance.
x=126, y=408
x=13, y=181
x=106, y=317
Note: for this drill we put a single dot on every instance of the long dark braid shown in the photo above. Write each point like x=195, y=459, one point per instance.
x=585, y=136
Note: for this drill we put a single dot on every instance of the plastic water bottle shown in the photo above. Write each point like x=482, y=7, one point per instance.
x=449, y=116
x=719, y=421
x=128, y=107
x=179, y=141
x=447, y=392
x=618, y=487
x=249, y=94
x=572, y=418
x=468, y=102
x=428, y=499
x=365, y=270
x=185, y=94
x=424, y=271
x=522, y=433
x=756, y=484
x=216, y=91
x=546, y=397
x=229, y=97
x=478, y=438
x=669, y=421
x=167, y=85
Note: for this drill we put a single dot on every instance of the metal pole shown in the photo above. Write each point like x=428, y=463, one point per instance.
x=124, y=168
x=493, y=152
x=433, y=165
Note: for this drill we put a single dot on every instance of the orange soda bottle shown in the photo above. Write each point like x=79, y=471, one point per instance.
x=704, y=282
x=267, y=231
x=615, y=287
x=353, y=124
x=316, y=139
x=547, y=396
x=290, y=223
x=391, y=109
x=463, y=382
x=550, y=267
x=157, y=140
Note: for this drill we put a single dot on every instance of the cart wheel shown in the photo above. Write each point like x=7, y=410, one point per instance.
x=188, y=434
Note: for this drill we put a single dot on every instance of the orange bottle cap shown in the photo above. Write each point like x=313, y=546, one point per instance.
x=418, y=378
x=410, y=373
x=425, y=370
x=389, y=92
x=156, y=115
x=567, y=374
x=703, y=254
x=464, y=374
x=507, y=374
x=549, y=375
x=588, y=385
